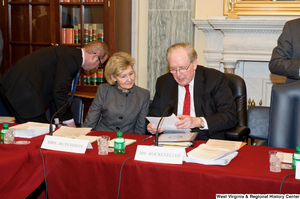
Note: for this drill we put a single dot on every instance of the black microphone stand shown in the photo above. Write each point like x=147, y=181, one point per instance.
x=156, y=134
x=51, y=121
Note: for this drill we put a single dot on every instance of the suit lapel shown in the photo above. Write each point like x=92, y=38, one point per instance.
x=198, y=90
x=174, y=96
x=171, y=94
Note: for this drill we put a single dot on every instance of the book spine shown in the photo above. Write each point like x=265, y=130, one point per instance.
x=63, y=35
x=87, y=77
x=69, y=36
x=75, y=34
x=94, y=32
x=90, y=33
x=86, y=33
x=100, y=34
x=93, y=76
x=99, y=76
x=79, y=33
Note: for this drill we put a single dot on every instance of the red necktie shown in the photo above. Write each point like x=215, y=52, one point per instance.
x=187, y=101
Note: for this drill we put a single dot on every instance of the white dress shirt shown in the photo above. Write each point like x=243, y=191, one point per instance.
x=181, y=96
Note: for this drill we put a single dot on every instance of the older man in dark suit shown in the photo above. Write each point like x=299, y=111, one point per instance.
x=203, y=100
x=43, y=77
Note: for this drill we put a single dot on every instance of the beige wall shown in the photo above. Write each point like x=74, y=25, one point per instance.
x=203, y=8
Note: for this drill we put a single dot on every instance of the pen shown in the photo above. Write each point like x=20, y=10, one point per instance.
x=147, y=138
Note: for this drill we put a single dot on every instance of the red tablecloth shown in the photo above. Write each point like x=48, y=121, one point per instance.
x=93, y=176
x=89, y=175
x=21, y=170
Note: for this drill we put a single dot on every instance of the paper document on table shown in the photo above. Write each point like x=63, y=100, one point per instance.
x=177, y=137
x=286, y=157
x=208, y=155
x=71, y=132
x=127, y=142
x=31, y=129
x=90, y=138
x=168, y=123
x=4, y=119
x=25, y=126
x=225, y=144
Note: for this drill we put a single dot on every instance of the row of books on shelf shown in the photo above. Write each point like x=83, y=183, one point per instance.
x=93, y=77
x=78, y=1
x=73, y=35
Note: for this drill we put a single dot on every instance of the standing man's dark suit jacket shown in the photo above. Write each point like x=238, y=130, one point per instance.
x=41, y=77
x=285, y=58
x=212, y=98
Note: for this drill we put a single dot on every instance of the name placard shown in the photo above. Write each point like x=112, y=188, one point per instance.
x=65, y=144
x=297, y=170
x=170, y=155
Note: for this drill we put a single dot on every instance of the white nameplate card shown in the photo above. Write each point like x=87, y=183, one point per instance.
x=297, y=170
x=170, y=155
x=57, y=143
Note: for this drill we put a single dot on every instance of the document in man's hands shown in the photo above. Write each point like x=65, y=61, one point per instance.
x=168, y=123
x=209, y=154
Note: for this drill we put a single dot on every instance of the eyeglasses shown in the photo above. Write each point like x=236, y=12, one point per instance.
x=100, y=64
x=181, y=70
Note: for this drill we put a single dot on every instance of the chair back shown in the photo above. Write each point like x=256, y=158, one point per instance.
x=238, y=88
x=77, y=110
x=258, y=122
x=284, y=125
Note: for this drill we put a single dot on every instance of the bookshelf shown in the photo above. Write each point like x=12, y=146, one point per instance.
x=29, y=25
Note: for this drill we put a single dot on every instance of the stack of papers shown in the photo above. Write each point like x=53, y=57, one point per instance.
x=71, y=132
x=31, y=129
x=214, y=152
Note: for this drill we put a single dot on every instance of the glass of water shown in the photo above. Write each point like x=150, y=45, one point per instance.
x=275, y=158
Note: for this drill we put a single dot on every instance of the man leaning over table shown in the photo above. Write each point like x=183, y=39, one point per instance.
x=208, y=106
x=42, y=79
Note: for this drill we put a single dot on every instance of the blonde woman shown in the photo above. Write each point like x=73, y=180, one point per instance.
x=119, y=105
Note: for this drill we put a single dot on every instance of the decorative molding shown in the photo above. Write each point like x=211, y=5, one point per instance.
x=240, y=39
x=244, y=47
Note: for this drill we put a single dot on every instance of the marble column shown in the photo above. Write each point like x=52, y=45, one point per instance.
x=169, y=23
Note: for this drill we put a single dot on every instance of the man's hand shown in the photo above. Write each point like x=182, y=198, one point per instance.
x=152, y=129
x=188, y=122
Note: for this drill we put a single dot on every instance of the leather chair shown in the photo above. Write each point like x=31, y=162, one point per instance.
x=258, y=123
x=284, y=125
x=238, y=89
x=77, y=110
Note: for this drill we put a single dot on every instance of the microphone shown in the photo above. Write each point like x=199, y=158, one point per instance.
x=68, y=102
x=171, y=102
